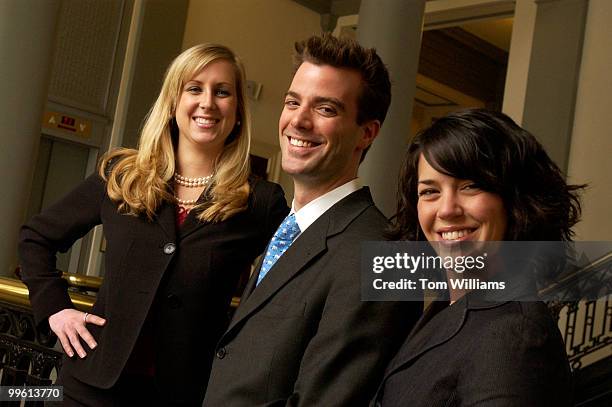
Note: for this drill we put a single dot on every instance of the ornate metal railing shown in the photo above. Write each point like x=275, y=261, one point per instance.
x=585, y=334
x=28, y=352
x=586, y=325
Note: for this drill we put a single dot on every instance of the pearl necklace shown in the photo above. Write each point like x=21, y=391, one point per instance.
x=192, y=182
x=185, y=202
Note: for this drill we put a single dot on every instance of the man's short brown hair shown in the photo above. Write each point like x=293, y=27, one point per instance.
x=375, y=96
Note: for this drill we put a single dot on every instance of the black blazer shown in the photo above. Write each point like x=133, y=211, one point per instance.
x=303, y=337
x=477, y=353
x=182, y=279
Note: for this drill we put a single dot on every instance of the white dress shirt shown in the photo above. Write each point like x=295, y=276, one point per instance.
x=317, y=207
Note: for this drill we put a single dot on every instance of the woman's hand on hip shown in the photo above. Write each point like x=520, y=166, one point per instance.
x=70, y=326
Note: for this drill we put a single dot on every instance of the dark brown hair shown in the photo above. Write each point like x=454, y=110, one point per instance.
x=490, y=149
x=375, y=96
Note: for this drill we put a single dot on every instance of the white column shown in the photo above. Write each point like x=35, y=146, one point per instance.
x=27, y=37
x=394, y=28
x=591, y=148
x=543, y=67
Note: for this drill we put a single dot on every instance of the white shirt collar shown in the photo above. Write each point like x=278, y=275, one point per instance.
x=317, y=207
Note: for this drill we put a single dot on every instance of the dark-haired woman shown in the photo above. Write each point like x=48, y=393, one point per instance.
x=476, y=176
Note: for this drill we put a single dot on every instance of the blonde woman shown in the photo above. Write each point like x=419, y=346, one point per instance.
x=182, y=219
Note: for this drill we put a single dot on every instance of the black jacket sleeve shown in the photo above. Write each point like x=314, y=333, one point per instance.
x=55, y=230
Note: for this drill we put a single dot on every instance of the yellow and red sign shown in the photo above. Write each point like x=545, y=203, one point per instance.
x=72, y=124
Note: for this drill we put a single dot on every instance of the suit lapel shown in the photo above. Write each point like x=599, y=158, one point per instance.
x=435, y=327
x=305, y=248
x=438, y=325
x=166, y=219
x=191, y=222
x=190, y=225
x=309, y=245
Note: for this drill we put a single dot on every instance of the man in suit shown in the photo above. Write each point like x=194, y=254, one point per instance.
x=302, y=336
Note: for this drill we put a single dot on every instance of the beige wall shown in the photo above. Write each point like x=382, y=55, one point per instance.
x=591, y=147
x=543, y=67
x=262, y=32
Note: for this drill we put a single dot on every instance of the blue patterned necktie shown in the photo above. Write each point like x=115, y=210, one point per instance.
x=282, y=239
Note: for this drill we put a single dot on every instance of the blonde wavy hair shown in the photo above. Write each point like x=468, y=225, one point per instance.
x=139, y=180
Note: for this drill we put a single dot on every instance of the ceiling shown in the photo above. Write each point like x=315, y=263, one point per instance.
x=496, y=32
x=490, y=20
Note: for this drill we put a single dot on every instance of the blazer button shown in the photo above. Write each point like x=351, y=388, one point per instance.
x=221, y=352
x=169, y=248
x=173, y=301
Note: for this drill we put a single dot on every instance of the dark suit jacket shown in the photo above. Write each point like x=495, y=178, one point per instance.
x=477, y=353
x=182, y=279
x=303, y=337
